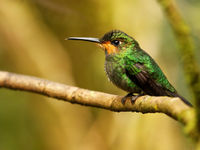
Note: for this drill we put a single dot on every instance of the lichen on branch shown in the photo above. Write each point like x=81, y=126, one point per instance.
x=187, y=53
x=172, y=107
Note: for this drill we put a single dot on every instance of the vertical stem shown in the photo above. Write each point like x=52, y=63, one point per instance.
x=187, y=53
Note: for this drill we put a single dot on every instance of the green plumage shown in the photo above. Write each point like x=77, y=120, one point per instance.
x=131, y=68
x=117, y=65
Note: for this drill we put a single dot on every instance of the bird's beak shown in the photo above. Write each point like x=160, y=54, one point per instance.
x=89, y=39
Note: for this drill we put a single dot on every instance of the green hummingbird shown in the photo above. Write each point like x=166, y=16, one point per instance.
x=130, y=68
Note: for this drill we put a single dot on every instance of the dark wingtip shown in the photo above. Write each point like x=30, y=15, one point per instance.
x=185, y=101
x=182, y=98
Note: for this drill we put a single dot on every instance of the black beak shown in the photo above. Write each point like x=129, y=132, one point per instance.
x=89, y=39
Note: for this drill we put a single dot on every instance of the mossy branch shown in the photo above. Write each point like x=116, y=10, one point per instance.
x=186, y=46
x=187, y=53
x=172, y=107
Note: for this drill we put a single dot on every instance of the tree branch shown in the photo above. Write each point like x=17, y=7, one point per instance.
x=173, y=107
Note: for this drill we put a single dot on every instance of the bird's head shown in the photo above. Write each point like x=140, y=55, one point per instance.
x=112, y=42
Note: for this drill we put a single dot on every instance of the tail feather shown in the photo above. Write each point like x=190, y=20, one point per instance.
x=182, y=98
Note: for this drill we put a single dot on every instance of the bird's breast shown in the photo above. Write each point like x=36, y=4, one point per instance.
x=116, y=72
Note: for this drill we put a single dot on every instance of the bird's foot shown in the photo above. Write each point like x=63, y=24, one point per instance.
x=125, y=98
x=132, y=96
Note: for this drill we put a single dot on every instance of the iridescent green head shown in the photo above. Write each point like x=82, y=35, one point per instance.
x=112, y=42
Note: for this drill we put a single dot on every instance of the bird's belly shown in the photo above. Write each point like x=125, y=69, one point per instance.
x=117, y=75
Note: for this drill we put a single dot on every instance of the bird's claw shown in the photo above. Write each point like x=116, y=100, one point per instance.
x=125, y=98
x=133, y=98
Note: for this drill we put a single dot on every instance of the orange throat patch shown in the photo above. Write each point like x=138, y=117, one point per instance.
x=107, y=46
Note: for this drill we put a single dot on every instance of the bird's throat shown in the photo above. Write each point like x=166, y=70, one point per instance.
x=109, y=48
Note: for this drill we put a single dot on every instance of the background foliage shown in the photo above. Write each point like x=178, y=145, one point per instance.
x=32, y=42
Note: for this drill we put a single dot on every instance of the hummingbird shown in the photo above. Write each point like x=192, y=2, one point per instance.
x=132, y=69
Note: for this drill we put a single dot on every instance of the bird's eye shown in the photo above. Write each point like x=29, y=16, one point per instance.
x=115, y=42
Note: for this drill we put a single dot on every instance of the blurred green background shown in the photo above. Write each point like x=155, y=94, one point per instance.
x=32, y=34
